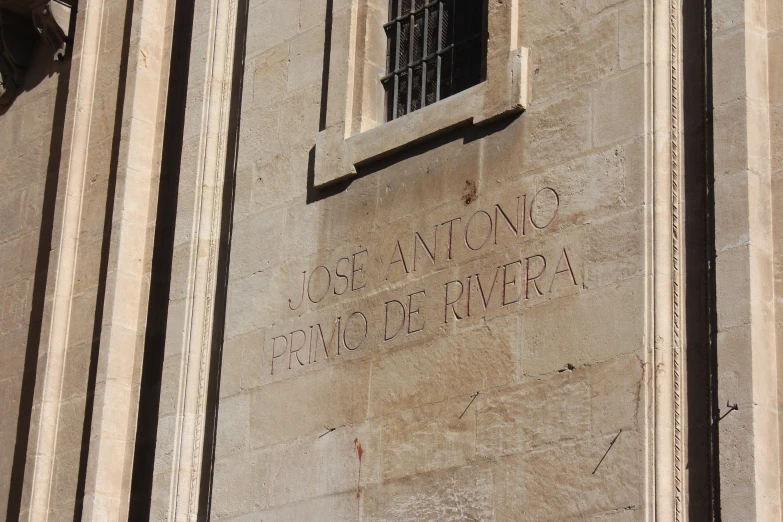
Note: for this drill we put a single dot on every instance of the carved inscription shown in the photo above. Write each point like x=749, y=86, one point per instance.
x=519, y=278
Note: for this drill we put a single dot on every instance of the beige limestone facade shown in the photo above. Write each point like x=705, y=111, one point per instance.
x=231, y=290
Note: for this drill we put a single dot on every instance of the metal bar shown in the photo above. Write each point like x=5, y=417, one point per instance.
x=399, y=15
x=429, y=57
x=440, y=49
x=410, y=59
x=424, y=35
x=453, y=29
x=398, y=32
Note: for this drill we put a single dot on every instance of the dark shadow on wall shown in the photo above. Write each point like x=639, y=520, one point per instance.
x=224, y=257
x=92, y=374
x=162, y=254
x=703, y=502
x=35, y=75
x=467, y=134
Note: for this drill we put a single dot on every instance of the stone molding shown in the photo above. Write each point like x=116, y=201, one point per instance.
x=203, y=251
x=110, y=454
x=355, y=132
x=43, y=446
x=666, y=485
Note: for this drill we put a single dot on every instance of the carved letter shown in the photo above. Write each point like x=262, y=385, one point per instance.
x=341, y=276
x=316, y=332
x=328, y=284
x=364, y=335
x=514, y=227
x=291, y=351
x=355, y=271
x=507, y=283
x=450, y=223
x=412, y=312
x=386, y=321
x=451, y=303
x=301, y=298
x=528, y=279
x=430, y=253
x=567, y=269
x=533, y=206
x=274, y=355
x=397, y=252
x=467, y=229
x=485, y=301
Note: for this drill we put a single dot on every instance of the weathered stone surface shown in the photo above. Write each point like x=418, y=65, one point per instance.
x=428, y=438
x=575, y=330
x=330, y=397
x=531, y=414
x=558, y=482
x=444, y=368
x=461, y=494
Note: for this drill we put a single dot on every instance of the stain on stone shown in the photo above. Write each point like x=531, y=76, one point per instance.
x=470, y=192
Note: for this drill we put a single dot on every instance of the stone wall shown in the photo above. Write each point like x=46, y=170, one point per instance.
x=29, y=163
x=459, y=332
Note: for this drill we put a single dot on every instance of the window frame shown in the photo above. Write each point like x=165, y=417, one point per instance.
x=356, y=130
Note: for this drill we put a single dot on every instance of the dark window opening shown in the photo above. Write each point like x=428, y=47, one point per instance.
x=435, y=49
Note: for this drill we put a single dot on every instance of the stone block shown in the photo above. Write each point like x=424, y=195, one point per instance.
x=77, y=366
x=300, y=113
x=271, y=23
x=328, y=464
x=464, y=493
x=240, y=484
x=233, y=428
x=256, y=243
x=579, y=56
x=284, y=410
x=557, y=131
x=618, y=108
x=558, y=483
x=429, y=438
x=732, y=269
x=65, y=479
x=588, y=187
x=631, y=23
x=15, y=303
x=732, y=216
x=445, y=367
x=731, y=138
x=418, y=182
x=615, y=248
x=11, y=215
x=729, y=67
x=306, y=59
x=617, y=389
x=270, y=75
x=82, y=317
x=340, y=508
x=279, y=179
x=531, y=414
x=247, y=304
x=578, y=329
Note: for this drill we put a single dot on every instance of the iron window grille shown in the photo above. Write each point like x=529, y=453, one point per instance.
x=435, y=49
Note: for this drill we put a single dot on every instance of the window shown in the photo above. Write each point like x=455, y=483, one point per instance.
x=435, y=49
x=449, y=63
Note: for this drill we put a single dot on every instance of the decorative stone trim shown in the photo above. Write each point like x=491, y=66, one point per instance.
x=41, y=458
x=668, y=487
x=354, y=132
x=203, y=252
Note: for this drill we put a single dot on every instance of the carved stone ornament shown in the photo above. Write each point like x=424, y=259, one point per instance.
x=19, y=21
